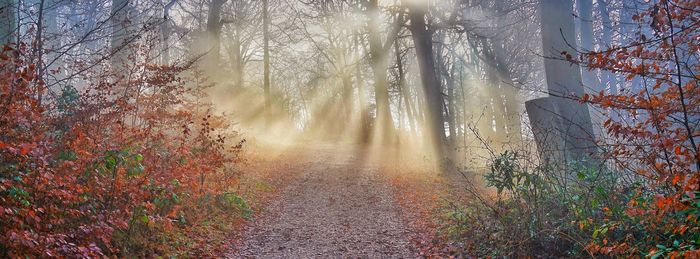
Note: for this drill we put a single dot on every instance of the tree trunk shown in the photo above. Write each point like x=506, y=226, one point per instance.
x=38, y=48
x=266, y=63
x=589, y=78
x=564, y=79
x=214, y=25
x=608, y=78
x=451, y=105
x=384, y=124
x=512, y=103
x=52, y=35
x=403, y=88
x=165, y=31
x=121, y=31
x=495, y=92
x=449, y=85
x=361, y=94
x=237, y=59
x=422, y=39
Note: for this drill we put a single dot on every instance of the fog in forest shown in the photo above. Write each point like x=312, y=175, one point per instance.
x=148, y=110
x=345, y=71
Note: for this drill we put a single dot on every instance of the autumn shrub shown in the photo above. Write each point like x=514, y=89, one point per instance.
x=644, y=199
x=104, y=168
x=656, y=131
x=535, y=212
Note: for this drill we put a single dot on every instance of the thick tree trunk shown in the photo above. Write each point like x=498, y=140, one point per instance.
x=121, y=31
x=545, y=128
x=564, y=80
x=384, y=124
x=214, y=26
x=422, y=39
x=361, y=94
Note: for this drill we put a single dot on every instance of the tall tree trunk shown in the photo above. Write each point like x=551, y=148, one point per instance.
x=38, y=48
x=563, y=82
x=447, y=74
x=52, y=34
x=451, y=105
x=121, y=31
x=361, y=94
x=237, y=59
x=383, y=122
x=165, y=31
x=495, y=92
x=585, y=13
x=346, y=80
x=214, y=26
x=512, y=103
x=607, y=39
x=589, y=78
x=405, y=95
x=462, y=118
x=266, y=63
x=422, y=39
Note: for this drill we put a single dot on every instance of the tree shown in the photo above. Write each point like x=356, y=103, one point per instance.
x=655, y=137
x=384, y=123
x=121, y=22
x=423, y=42
x=560, y=114
x=589, y=78
x=266, y=61
x=213, y=34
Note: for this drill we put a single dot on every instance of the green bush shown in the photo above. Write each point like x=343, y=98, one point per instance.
x=539, y=211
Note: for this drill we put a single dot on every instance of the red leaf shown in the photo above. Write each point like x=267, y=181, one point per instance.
x=678, y=151
x=24, y=150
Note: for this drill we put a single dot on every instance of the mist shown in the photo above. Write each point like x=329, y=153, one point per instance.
x=400, y=128
x=349, y=72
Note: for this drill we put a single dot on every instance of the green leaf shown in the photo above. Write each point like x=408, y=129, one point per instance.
x=135, y=170
x=144, y=219
x=657, y=254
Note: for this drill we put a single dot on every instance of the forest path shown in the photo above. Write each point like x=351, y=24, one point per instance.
x=339, y=207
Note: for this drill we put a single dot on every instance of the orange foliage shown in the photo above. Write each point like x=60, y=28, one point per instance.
x=658, y=137
x=82, y=174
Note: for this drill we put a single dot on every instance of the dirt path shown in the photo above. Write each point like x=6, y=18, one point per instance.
x=337, y=208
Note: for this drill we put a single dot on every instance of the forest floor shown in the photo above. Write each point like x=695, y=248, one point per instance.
x=338, y=205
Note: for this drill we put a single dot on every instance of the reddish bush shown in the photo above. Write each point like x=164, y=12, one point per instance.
x=657, y=135
x=91, y=171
